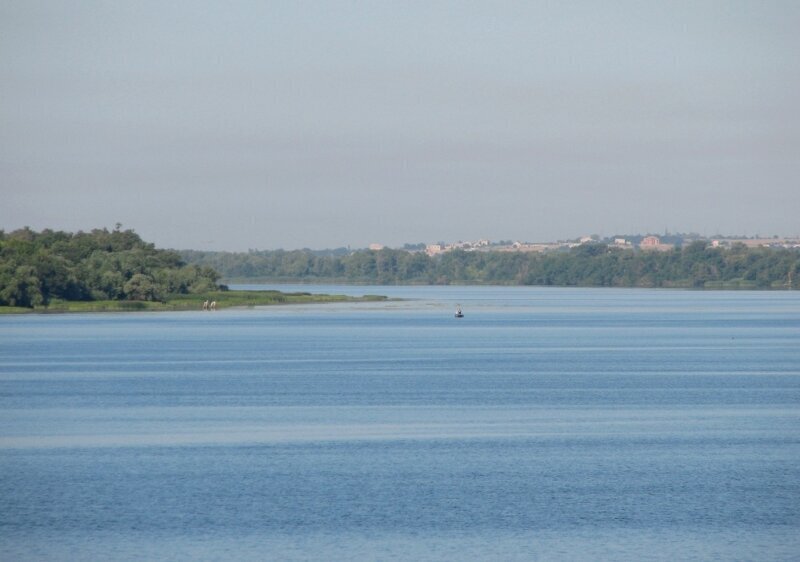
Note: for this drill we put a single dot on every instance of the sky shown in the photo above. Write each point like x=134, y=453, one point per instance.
x=263, y=125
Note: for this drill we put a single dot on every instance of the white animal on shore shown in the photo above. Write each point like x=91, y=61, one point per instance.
x=205, y=305
x=213, y=305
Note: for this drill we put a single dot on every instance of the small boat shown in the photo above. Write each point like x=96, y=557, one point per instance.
x=459, y=314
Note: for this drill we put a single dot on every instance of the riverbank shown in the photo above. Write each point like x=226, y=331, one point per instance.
x=699, y=265
x=223, y=299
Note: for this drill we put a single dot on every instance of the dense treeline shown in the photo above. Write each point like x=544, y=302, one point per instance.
x=38, y=267
x=697, y=265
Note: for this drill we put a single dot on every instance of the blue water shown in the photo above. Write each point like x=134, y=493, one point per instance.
x=546, y=424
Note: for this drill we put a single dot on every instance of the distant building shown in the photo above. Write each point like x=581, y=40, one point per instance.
x=434, y=249
x=654, y=243
x=376, y=247
x=526, y=247
x=764, y=242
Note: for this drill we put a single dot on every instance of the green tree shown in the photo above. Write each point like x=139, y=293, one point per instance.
x=20, y=287
x=140, y=287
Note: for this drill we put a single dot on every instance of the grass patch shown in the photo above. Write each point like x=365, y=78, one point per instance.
x=14, y=310
x=224, y=299
x=732, y=285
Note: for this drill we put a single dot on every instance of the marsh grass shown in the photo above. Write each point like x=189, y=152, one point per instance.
x=224, y=299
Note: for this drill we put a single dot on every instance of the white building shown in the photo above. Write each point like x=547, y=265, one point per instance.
x=434, y=249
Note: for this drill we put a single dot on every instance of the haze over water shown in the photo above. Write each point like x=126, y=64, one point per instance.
x=547, y=423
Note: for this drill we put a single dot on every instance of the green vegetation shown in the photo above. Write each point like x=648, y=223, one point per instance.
x=223, y=299
x=106, y=270
x=115, y=270
x=37, y=268
x=697, y=265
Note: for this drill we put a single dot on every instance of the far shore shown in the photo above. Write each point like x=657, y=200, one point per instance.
x=222, y=300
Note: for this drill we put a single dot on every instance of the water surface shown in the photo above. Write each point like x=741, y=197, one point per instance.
x=547, y=423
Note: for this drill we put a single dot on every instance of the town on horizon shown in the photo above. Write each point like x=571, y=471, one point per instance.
x=647, y=242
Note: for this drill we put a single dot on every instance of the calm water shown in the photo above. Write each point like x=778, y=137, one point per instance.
x=546, y=424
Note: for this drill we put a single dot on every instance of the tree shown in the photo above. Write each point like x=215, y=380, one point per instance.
x=20, y=287
x=140, y=287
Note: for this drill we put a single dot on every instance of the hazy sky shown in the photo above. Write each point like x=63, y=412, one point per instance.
x=236, y=125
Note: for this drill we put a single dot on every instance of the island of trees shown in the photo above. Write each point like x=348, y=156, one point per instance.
x=113, y=270
x=38, y=268
x=696, y=265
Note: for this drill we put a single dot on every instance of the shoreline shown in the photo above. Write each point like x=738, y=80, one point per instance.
x=186, y=303
x=709, y=286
